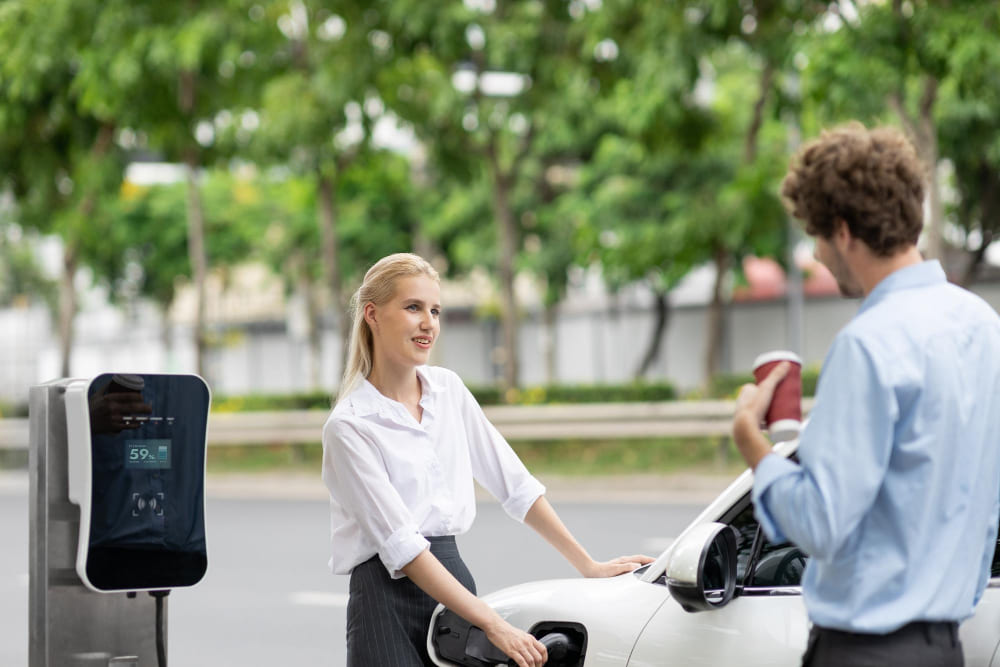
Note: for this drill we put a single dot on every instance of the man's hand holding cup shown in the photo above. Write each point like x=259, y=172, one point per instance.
x=773, y=403
x=777, y=399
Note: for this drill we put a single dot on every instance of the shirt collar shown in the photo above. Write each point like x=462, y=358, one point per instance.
x=367, y=400
x=916, y=275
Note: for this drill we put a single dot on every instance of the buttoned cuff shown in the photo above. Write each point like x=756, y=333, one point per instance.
x=402, y=547
x=770, y=469
x=517, y=505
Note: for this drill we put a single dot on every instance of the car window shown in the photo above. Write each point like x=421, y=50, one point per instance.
x=779, y=564
x=746, y=525
x=771, y=564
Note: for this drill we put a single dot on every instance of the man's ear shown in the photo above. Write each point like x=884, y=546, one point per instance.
x=841, y=237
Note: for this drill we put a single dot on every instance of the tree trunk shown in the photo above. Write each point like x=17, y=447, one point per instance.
x=757, y=120
x=326, y=189
x=989, y=214
x=67, y=290
x=715, y=316
x=67, y=308
x=197, y=258
x=507, y=245
x=976, y=258
x=313, y=332
x=186, y=95
x=928, y=147
x=167, y=339
x=551, y=344
x=722, y=256
x=923, y=133
x=662, y=305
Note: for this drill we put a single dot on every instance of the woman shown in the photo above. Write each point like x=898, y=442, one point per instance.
x=400, y=451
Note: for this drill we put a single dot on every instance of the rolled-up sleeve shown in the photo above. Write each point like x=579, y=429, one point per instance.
x=357, y=479
x=844, y=450
x=495, y=465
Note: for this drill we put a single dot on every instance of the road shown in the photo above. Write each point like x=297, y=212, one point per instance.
x=268, y=598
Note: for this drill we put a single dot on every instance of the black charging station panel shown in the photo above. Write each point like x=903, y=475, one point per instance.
x=147, y=482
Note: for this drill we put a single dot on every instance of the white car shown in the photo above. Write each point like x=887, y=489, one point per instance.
x=720, y=594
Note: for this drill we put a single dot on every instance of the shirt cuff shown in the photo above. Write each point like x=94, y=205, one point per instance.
x=517, y=505
x=402, y=547
x=770, y=469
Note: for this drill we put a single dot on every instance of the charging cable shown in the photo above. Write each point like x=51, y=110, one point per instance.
x=161, y=649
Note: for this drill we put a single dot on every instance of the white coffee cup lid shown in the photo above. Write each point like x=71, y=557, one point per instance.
x=776, y=355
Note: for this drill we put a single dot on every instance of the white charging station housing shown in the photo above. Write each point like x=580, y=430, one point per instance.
x=136, y=467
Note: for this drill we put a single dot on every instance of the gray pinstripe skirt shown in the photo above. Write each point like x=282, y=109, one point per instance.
x=387, y=618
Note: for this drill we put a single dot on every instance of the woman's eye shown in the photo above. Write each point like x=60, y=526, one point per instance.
x=412, y=307
x=435, y=312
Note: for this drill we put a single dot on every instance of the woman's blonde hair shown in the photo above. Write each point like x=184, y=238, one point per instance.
x=378, y=287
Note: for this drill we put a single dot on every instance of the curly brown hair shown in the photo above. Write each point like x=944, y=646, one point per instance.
x=870, y=179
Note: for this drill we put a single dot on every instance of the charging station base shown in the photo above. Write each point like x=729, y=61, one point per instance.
x=68, y=624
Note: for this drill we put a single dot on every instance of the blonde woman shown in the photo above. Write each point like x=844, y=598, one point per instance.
x=400, y=452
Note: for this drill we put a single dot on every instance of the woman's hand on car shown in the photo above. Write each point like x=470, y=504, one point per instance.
x=517, y=644
x=616, y=566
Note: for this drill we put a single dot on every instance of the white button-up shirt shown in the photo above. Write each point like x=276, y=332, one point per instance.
x=393, y=480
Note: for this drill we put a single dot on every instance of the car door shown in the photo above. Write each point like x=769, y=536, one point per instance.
x=764, y=625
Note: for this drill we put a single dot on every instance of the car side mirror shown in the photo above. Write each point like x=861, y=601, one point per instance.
x=702, y=570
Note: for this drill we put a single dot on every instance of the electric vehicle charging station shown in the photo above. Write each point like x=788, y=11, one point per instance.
x=116, y=484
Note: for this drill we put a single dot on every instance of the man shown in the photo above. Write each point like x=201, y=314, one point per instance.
x=896, y=493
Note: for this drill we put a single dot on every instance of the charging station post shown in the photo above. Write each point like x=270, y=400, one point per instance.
x=67, y=623
x=116, y=484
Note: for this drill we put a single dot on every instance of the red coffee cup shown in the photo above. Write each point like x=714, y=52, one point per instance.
x=784, y=416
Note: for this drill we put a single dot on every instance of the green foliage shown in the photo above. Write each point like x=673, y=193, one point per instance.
x=315, y=400
x=588, y=393
x=647, y=138
x=145, y=251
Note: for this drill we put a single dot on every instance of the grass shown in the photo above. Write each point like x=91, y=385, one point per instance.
x=563, y=457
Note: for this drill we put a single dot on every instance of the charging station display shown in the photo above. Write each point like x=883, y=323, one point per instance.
x=142, y=495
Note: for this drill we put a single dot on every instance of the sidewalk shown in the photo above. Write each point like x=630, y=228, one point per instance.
x=693, y=488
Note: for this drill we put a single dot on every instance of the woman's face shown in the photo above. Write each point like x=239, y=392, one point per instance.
x=405, y=327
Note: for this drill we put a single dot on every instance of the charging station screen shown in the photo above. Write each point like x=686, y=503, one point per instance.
x=147, y=454
x=147, y=522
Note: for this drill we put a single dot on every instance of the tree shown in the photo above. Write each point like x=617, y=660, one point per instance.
x=145, y=250
x=901, y=60
x=482, y=84
x=325, y=61
x=176, y=70
x=376, y=217
x=57, y=156
x=687, y=172
x=751, y=220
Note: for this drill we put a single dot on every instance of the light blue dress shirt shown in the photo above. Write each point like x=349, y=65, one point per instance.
x=896, y=499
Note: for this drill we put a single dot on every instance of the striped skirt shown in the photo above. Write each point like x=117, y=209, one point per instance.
x=387, y=619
